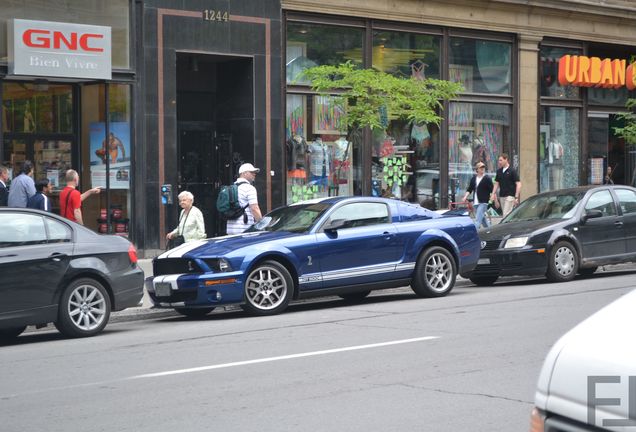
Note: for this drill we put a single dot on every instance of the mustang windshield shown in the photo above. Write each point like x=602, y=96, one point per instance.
x=552, y=206
x=297, y=218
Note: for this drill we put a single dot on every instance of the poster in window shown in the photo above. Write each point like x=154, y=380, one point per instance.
x=329, y=117
x=116, y=150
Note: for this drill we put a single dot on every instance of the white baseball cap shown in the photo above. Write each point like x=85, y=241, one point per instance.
x=248, y=167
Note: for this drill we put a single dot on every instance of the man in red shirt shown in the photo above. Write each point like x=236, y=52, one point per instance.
x=71, y=199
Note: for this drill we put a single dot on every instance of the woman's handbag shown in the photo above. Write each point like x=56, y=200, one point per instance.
x=178, y=240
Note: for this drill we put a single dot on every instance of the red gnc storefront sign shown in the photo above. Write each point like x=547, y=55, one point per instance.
x=586, y=71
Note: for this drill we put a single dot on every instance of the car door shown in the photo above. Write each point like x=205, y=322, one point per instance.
x=31, y=263
x=627, y=204
x=364, y=250
x=604, y=236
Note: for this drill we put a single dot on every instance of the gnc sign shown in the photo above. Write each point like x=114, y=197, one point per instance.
x=593, y=72
x=43, y=48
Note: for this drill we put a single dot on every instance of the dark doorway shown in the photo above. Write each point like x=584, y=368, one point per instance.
x=215, y=123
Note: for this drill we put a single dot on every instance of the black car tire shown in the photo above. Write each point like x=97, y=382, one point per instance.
x=194, y=312
x=484, y=280
x=268, y=289
x=355, y=296
x=589, y=271
x=435, y=273
x=89, y=299
x=563, y=262
x=9, y=334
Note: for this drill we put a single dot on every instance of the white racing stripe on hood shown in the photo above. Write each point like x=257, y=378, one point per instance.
x=179, y=251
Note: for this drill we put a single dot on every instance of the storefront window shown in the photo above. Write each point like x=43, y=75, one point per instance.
x=559, y=148
x=322, y=159
x=549, y=69
x=96, y=148
x=477, y=132
x=480, y=66
x=311, y=45
x=406, y=54
x=111, y=13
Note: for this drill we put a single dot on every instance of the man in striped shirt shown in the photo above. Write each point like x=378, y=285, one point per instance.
x=247, y=198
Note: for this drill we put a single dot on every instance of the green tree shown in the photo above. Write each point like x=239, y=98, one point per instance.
x=628, y=132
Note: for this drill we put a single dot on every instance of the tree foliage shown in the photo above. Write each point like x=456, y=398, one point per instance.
x=365, y=92
x=628, y=132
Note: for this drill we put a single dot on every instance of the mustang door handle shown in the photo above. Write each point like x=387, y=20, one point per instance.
x=57, y=256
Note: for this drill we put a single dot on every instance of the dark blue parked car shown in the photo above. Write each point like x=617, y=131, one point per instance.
x=331, y=246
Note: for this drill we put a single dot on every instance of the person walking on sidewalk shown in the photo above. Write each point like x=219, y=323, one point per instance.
x=247, y=198
x=22, y=187
x=481, y=185
x=508, y=184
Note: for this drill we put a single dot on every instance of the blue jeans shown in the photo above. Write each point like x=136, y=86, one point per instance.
x=480, y=215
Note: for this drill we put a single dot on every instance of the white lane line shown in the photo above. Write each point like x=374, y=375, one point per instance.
x=285, y=357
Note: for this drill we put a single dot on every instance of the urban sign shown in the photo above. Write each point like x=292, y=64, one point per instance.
x=54, y=49
x=586, y=71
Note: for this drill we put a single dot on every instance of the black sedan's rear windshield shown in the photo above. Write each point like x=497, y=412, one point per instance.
x=297, y=218
x=550, y=206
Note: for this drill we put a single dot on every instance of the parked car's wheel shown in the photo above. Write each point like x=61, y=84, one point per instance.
x=9, y=334
x=563, y=262
x=194, y=312
x=589, y=271
x=355, y=296
x=268, y=289
x=435, y=273
x=484, y=280
x=84, y=309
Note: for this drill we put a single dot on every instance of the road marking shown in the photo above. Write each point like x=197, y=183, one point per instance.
x=278, y=358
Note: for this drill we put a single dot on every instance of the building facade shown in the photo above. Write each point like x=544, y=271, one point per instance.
x=197, y=88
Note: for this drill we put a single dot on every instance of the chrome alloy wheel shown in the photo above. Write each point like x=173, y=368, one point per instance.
x=266, y=288
x=564, y=261
x=86, y=307
x=439, y=272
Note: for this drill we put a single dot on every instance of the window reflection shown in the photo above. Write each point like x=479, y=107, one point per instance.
x=480, y=66
x=406, y=54
x=549, y=69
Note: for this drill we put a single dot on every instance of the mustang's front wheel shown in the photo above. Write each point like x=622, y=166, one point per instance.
x=268, y=289
x=435, y=273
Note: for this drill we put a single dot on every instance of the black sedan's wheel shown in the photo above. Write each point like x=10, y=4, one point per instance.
x=435, y=273
x=484, y=280
x=268, y=289
x=194, y=313
x=589, y=271
x=354, y=297
x=563, y=262
x=84, y=309
x=9, y=334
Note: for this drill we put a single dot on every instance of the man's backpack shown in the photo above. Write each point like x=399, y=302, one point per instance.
x=227, y=203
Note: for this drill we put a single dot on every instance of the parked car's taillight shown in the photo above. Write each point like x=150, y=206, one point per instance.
x=132, y=254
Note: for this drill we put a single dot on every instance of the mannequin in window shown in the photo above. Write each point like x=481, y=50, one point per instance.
x=465, y=151
x=480, y=153
x=319, y=162
x=555, y=163
x=341, y=162
x=296, y=157
x=422, y=141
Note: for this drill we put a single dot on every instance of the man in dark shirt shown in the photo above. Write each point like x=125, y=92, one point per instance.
x=40, y=201
x=508, y=184
x=4, y=192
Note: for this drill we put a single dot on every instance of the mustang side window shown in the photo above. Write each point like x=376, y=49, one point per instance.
x=58, y=232
x=362, y=214
x=19, y=229
x=627, y=199
x=603, y=201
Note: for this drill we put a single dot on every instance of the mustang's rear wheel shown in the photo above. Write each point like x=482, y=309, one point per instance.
x=563, y=262
x=194, y=313
x=9, y=334
x=354, y=297
x=84, y=309
x=435, y=273
x=268, y=289
x=484, y=280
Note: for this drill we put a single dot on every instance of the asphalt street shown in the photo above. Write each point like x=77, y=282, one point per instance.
x=467, y=362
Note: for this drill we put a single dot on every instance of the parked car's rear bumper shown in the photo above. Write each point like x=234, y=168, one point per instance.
x=128, y=288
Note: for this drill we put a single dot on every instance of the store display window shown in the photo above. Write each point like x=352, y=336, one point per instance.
x=559, y=148
x=549, y=71
x=480, y=66
x=406, y=54
x=477, y=132
x=311, y=45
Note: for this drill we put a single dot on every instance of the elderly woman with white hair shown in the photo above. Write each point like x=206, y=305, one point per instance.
x=191, y=226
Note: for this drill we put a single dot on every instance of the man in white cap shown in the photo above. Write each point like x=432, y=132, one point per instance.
x=247, y=198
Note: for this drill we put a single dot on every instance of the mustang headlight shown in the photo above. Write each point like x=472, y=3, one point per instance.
x=219, y=265
x=516, y=242
x=224, y=266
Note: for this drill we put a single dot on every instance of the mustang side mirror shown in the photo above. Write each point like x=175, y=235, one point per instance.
x=592, y=214
x=334, y=225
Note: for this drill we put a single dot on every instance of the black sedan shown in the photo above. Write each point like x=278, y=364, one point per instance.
x=561, y=233
x=54, y=270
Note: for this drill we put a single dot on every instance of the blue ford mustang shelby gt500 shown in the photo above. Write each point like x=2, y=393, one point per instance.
x=344, y=246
